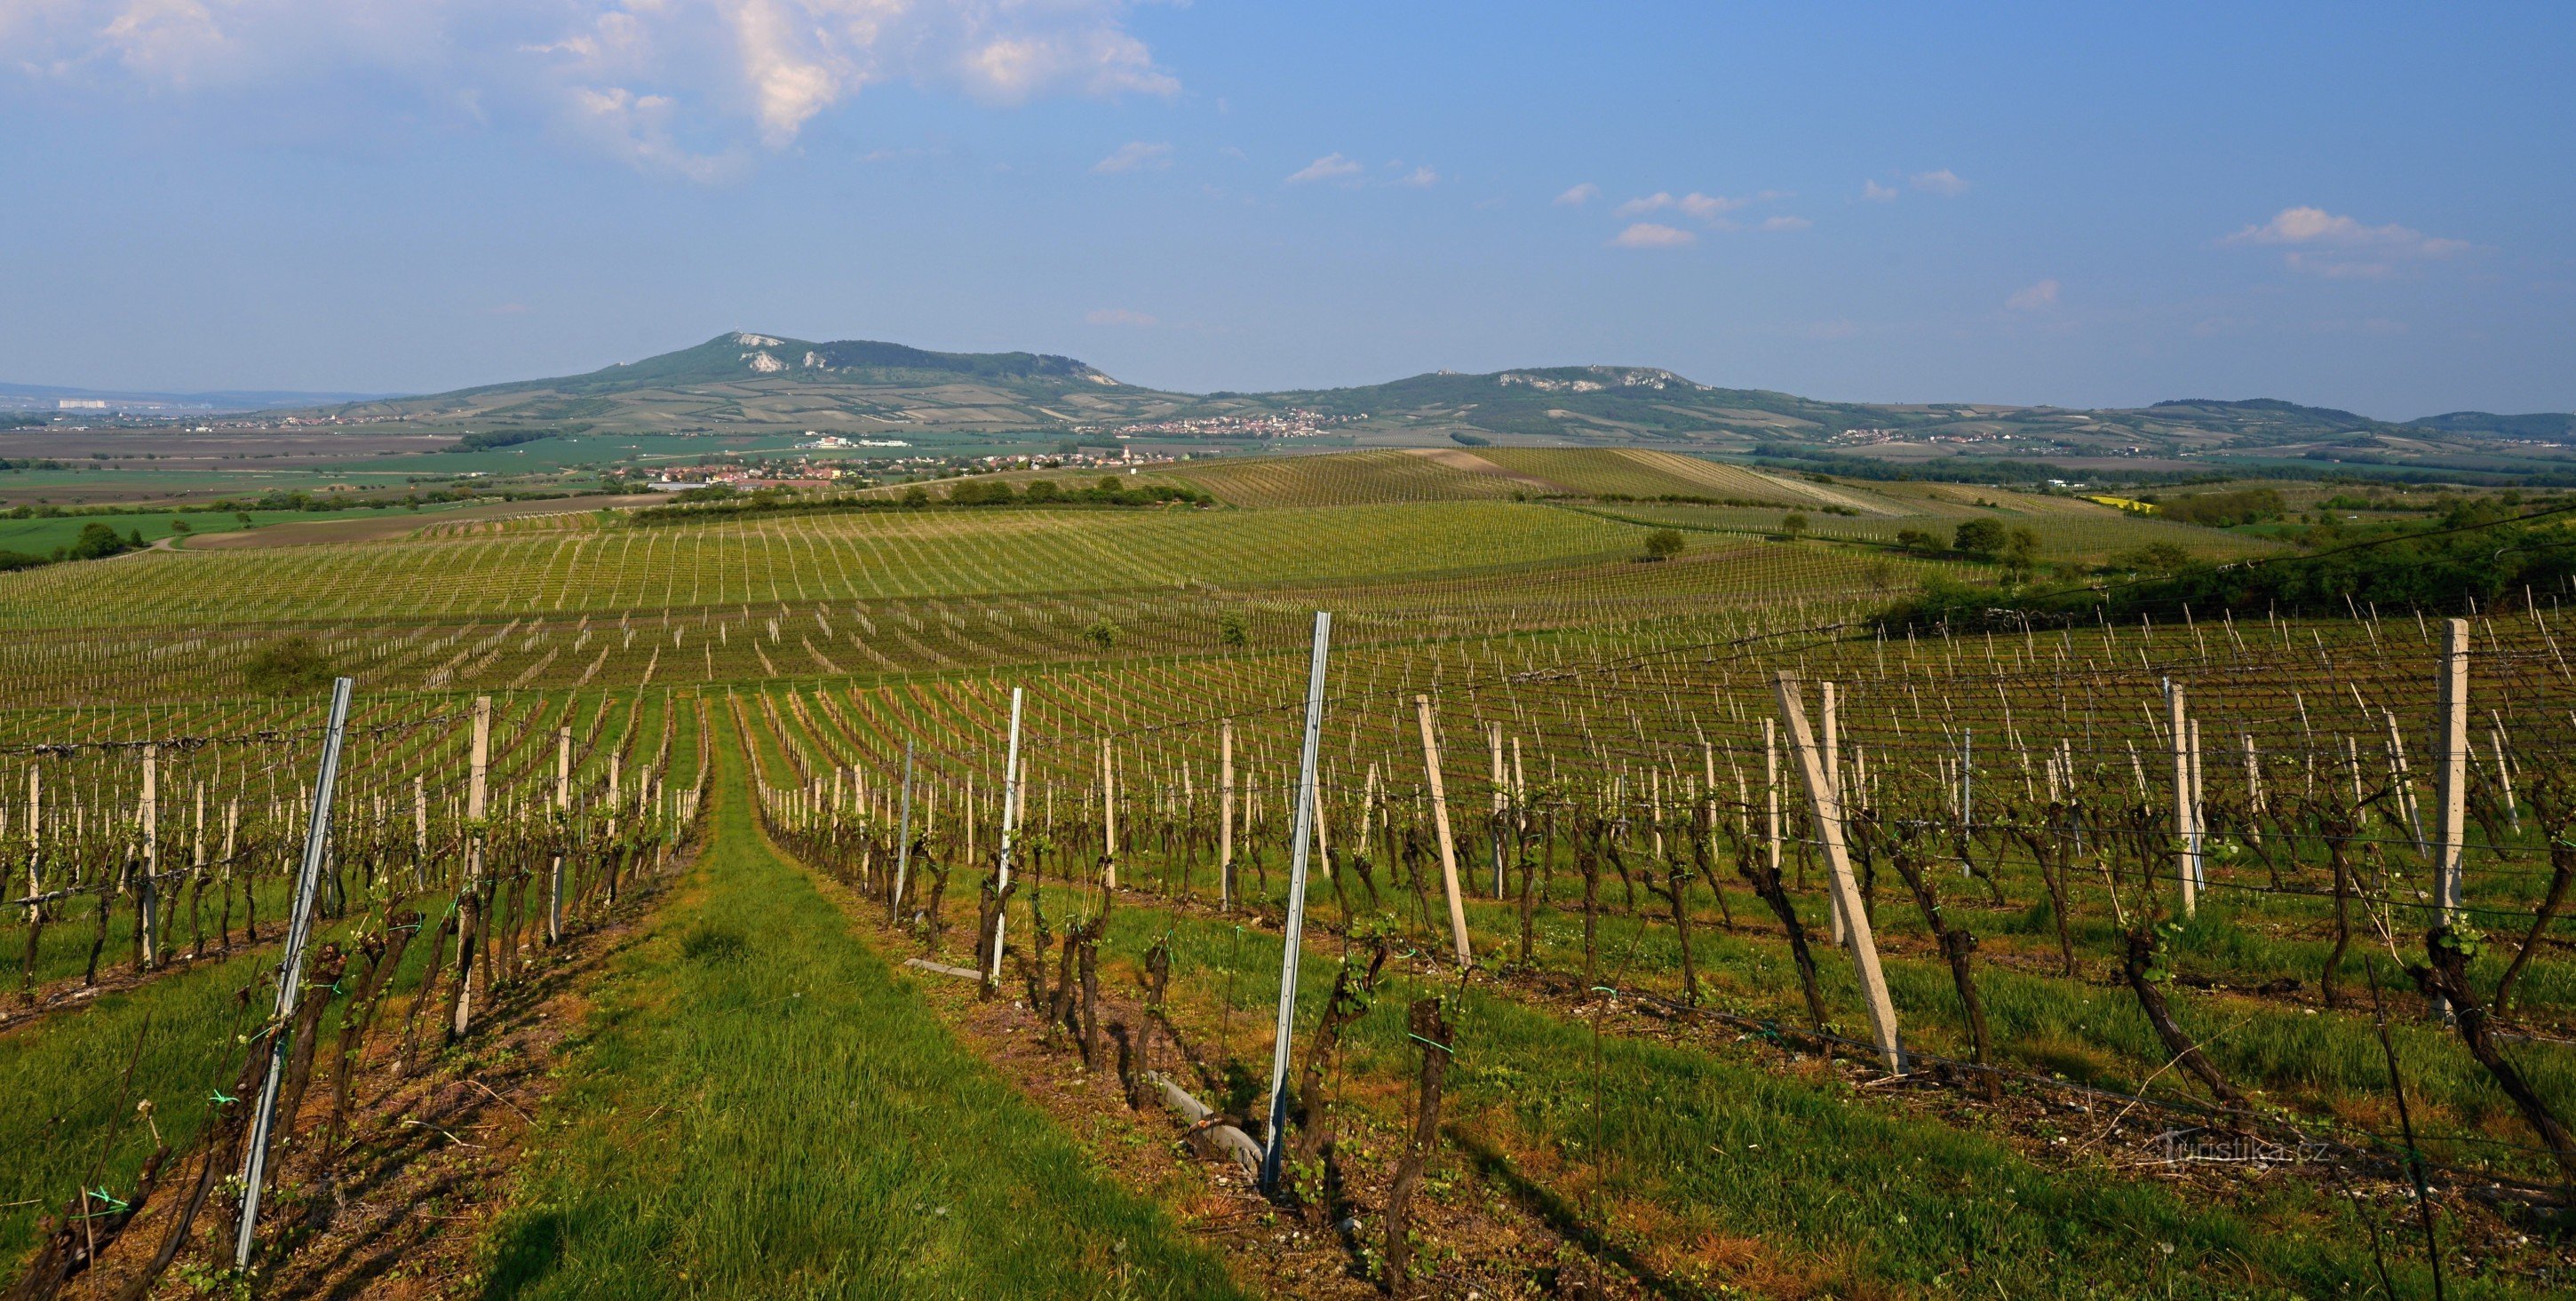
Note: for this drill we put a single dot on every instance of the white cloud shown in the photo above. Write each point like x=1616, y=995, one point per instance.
x=2321, y=243
x=1877, y=193
x=1419, y=178
x=1705, y=207
x=1944, y=182
x=1786, y=223
x=2034, y=298
x=1330, y=167
x=1117, y=316
x=636, y=129
x=630, y=76
x=1134, y=155
x=1580, y=195
x=1647, y=234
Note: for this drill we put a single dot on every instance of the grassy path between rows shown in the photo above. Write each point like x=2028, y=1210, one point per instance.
x=760, y=1107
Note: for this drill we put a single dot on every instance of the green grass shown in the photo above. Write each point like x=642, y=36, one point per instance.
x=41, y=536
x=71, y=1118
x=1842, y=1195
x=760, y=1108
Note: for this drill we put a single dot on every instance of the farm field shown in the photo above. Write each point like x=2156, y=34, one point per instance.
x=815, y=899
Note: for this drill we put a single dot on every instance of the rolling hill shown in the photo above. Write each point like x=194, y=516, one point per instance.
x=749, y=382
x=744, y=380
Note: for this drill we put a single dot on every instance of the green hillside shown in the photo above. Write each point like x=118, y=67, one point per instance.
x=745, y=383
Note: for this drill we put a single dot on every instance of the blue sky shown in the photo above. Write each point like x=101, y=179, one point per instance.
x=2355, y=205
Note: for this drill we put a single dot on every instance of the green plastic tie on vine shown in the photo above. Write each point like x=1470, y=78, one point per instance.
x=114, y=1203
x=221, y=1098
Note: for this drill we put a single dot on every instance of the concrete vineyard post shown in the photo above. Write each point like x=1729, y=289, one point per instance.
x=1864, y=948
x=1834, y=785
x=290, y=969
x=1440, y=828
x=2451, y=775
x=903, y=839
x=1108, y=819
x=1771, y=799
x=2199, y=816
x=477, y=770
x=149, y=818
x=35, y=839
x=1010, y=808
x=1494, y=735
x=1292, y=939
x=563, y=829
x=2177, y=735
x=1225, y=814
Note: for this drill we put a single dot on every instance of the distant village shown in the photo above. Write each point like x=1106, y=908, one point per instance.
x=811, y=473
x=1295, y=422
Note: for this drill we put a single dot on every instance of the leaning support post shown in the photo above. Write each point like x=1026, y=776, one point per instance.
x=1829, y=830
x=290, y=970
x=1010, y=808
x=1440, y=828
x=1275, y=1137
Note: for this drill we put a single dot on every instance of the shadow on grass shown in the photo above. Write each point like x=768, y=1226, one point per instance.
x=1538, y=1201
x=525, y=1254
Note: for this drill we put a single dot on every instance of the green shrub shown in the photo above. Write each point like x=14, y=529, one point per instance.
x=287, y=666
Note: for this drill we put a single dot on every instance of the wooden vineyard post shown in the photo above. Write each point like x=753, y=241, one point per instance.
x=1108, y=819
x=563, y=829
x=1440, y=828
x=1292, y=940
x=1010, y=807
x=469, y=904
x=1225, y=815
x=2186, y=833
x=419, y=830
x=2451, y=773
x=1864, y=948
x=290, y=970
x=149, y=816
x=903, y=841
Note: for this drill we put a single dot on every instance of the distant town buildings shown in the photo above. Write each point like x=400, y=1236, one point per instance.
x=1295, y=422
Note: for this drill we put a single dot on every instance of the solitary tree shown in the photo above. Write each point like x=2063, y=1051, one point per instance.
x=2021, y=554
x=1794, y=524
x=1663, y=544
x=1980, y=538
